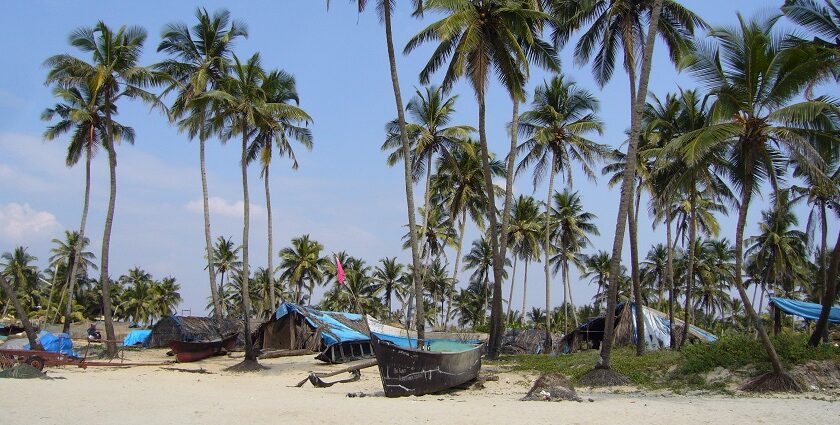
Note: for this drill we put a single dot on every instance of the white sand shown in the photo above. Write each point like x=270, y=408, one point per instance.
x=154, y=395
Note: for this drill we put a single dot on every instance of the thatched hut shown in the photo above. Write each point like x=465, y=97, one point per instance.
x=528, y=341
x=184, y=328
x=657, y=331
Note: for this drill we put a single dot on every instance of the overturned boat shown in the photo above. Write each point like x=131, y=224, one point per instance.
x=194, y=351
x=439, y=365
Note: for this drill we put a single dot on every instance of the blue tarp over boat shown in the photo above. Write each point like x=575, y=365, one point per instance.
x=805, y=310
x=140, y=336
x=333, y=329
x=337, y=336
x=60, y=343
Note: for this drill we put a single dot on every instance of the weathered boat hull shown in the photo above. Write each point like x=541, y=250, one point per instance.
x=186, y=352
x=408, y=371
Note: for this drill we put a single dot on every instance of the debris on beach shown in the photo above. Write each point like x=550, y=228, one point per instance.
x=552, y=387
x=23, y=371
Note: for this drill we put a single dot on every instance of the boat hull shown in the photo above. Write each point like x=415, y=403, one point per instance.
x=186, y=352
x=407, y=371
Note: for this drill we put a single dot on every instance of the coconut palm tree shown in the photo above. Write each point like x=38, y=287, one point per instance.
x=755, y=80
x=65, y=254
x=654, y=272
x=302, y=263
x=597, y=270
x=615, y=25
x=137, y=302
x=113, y=74
x=279, y=87
x=165, y=297
x=557, y=126
x=384, y=8
x=17, y=266
x=225, y=260
x=573, y=228
x=524, y=238
x=477, y=37
x=387, y=275
x=199, y=57
x=21, y=312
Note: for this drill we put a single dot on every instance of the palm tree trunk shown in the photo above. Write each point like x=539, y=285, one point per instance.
x=409, y=191
x=565, y=298
x=222, y=297
x=49, y=299
x=525, y=285
x=271, y=295
x=824, y=258
x=22, y=314
x=778, y=369
x=104, y=277
x=546, y=251
x=692, y=237
x=250, y=354
x=457, y=263
x=632, y=222
x=77, y=255
x=571, y=298
x=669, y=271
x=627, y=184
x=208, y=240
x=828, y=299
x=510, y=292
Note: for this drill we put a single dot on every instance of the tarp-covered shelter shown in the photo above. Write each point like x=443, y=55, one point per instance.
x=337, y=336
x=188, y=329
x=657, y=330
x=527, y=341
x=53, y=343
x=805, y=310
x=137, y=337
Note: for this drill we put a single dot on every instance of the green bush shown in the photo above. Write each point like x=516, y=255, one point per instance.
x=737, y=351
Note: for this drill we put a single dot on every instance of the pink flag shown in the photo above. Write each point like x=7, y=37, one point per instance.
x=339, y=271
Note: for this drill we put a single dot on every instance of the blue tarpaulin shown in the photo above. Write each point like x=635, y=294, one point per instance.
x=60, y=343
x=805, y=310
x=332, y=330
x=137, y=337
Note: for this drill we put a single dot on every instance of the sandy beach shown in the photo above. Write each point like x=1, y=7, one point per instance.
x=166, y=395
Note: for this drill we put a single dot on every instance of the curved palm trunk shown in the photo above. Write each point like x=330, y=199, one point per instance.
x=510, y=292
x=22, y=314
x=627, y=185
x=104, y=278
x=211, y=270
x=546, y=251
x=457, y=264
x=409, y=191
x=739, y=252
x=49, y=299
x=250, y=354
x=828, y=298
x=669, y=272
x=632, y=223
x=692, y=236
x=271, y=295
x=525, y=285
x=77, y=255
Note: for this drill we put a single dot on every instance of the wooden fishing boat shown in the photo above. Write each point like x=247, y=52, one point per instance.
x=194, y=351
x=410, y=371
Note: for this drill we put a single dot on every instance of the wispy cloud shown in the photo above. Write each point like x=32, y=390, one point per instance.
x=19, y=222
x=223, y=207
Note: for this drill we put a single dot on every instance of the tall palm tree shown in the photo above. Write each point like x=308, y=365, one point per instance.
x=137, y=299
x=165, y=297
x=21, y=312
x=199, y=57
x=597, y=270
x=384, y=8
x=388, y=275
x=755, y=80
x=303, y=263
x=225, y=260
x=17, y=265
x=524, y=238
x=480, y=259
x=654, y=272
x=557, y=126
x=477, y=37
x=279, y=87
x=617, y=25
x=571, y=234
x=113, y=74
x=65, y=252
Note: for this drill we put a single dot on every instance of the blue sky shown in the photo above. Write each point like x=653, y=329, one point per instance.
x=344, y=194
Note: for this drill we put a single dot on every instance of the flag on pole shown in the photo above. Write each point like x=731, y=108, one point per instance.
x=339, y=271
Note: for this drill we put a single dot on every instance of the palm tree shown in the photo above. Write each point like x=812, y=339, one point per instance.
x=755, y=80
x=597, y=270
x=17, y=267
x=137, y=299
x=478, y=36
x=279, y=87
x=65, y=253
x=113, y=74
x=480, y=259
x=388, y=275
x=225, y=260
x=574, y=226
x=384, y=8
x=21, y=312
x=561, y=117
x=523, y=236
x=165, y=297
x=198, y=60
x=654, y=271
x=303, y=262
x=618, y=25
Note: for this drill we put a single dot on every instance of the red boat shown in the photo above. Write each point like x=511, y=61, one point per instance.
x=194, y=351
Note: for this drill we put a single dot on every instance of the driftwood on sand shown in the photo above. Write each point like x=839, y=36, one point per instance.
x=352, y=368
x=273, y=354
